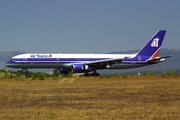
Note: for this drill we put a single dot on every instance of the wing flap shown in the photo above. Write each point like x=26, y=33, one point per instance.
x=105, y=62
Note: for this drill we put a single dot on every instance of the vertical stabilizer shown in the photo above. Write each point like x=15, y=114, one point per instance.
x=152, y=48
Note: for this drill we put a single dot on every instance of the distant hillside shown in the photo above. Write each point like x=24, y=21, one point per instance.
x=170, y=63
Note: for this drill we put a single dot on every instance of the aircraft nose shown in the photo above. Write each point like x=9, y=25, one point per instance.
x=8, y=64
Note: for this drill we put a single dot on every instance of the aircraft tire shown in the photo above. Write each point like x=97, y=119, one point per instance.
x=97, y=74
x=93, y=74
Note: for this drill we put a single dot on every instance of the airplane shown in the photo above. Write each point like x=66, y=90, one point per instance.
x=85, y=63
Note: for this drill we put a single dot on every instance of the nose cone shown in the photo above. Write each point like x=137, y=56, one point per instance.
x=10, y=63
x=7, y=64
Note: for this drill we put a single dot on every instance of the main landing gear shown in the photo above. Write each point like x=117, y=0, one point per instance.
x=93, y=74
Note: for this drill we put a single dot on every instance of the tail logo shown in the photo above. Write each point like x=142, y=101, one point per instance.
x=155, y=42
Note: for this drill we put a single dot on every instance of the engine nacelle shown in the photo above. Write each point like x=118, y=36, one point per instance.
x=80, y=68
x=64, y=71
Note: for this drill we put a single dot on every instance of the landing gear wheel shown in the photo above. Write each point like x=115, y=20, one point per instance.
x=95, y=74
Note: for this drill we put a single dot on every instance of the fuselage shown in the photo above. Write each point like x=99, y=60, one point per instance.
x=66, y=60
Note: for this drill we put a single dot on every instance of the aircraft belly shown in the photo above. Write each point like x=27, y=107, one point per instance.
x=33, y=65
x=125, y=66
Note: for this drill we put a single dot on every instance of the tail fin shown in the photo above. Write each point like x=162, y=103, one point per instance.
x=152, y=48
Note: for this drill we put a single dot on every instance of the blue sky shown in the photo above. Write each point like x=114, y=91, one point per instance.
x=86, y=26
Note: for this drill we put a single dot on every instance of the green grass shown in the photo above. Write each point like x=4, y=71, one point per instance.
x=124, y=76
x=2, y=75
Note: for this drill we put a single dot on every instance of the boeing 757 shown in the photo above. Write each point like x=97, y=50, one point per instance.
x=84, y=63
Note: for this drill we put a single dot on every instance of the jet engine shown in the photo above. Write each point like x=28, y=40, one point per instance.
x=80, y=68
x=64, y=71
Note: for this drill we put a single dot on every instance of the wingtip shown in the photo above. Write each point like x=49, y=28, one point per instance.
x=171, y=55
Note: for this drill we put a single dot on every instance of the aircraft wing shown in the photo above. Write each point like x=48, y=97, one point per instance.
x=105, y=62
x=153, y=60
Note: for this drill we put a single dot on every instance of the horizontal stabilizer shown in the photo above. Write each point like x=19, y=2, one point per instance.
x=153, y=60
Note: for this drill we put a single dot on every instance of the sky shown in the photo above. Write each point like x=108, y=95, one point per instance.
x=86, y=26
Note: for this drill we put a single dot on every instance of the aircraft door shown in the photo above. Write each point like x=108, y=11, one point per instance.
x=57, y=59
x=25, y=59
x=139, y=58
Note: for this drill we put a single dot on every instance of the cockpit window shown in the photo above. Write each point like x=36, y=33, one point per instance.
x=13, y=59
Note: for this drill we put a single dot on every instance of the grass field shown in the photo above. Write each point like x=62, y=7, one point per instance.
x=138, y=97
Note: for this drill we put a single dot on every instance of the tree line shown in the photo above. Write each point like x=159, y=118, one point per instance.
x=28, y=74
x=55, y=74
